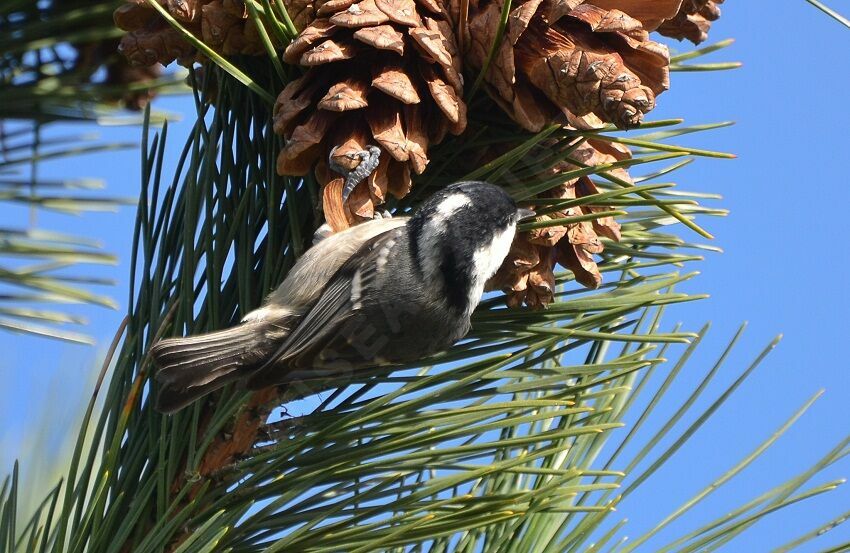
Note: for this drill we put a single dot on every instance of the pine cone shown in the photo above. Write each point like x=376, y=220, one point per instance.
x=572, y=57
x=121, y=73
x=223, y=25
x=92, y=56
x=527, y=275
x=382, y=73
x=693, y=20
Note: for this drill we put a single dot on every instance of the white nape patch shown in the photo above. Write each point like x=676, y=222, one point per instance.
x=445, y=209
x=452, y=203
x=487, y=260
x=435, y=228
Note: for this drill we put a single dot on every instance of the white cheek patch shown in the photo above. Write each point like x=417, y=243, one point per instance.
x=487, y=260
x=489, y=257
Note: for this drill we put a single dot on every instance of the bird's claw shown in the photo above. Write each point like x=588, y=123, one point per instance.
x=369, y=159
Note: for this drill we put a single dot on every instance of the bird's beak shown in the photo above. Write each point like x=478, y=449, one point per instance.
x=525, y=213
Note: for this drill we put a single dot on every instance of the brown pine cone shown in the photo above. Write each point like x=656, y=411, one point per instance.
x=223, y=25
x=571, y=57
x=527, y=275
x=93, y=56
x=121, y=73
x=693, y=20
x=382, y=73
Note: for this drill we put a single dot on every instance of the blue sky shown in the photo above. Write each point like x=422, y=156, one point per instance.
x=783, y=269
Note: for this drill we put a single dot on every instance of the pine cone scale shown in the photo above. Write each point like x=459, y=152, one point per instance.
x=693, y=20
x=417, y=138
x=394, y=82
x=431, y=44
x=445, y=96
x=382, y=37
x=651, y=13
x=333, y=6
x=345, y=96
x=386, y=125
x=362, y=14
x=433, y=6
x=308, y=39
x=403, y=12
x=327, y=52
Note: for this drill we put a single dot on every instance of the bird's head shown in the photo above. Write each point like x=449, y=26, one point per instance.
x=461, y=235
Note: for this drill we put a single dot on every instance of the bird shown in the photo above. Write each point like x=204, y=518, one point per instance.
x=385, y=292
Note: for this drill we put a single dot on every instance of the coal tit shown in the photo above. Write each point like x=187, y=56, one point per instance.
x=385, y=292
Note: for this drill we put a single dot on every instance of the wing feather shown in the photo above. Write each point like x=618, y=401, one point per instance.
x=336, y=305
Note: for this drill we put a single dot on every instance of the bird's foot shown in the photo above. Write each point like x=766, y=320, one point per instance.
x=369, y=159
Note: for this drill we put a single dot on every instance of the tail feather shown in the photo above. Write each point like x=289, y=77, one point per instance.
x=194, y=366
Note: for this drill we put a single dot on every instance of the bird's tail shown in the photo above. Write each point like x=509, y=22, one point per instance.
x=194, y=366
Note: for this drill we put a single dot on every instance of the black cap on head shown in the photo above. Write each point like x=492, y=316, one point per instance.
x=473, y=209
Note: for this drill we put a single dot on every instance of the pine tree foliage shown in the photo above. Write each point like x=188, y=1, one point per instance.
x=56, y=65
x=525, y=437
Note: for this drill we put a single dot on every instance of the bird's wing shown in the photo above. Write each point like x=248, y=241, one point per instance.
x=338, y=303
x=305, y=282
